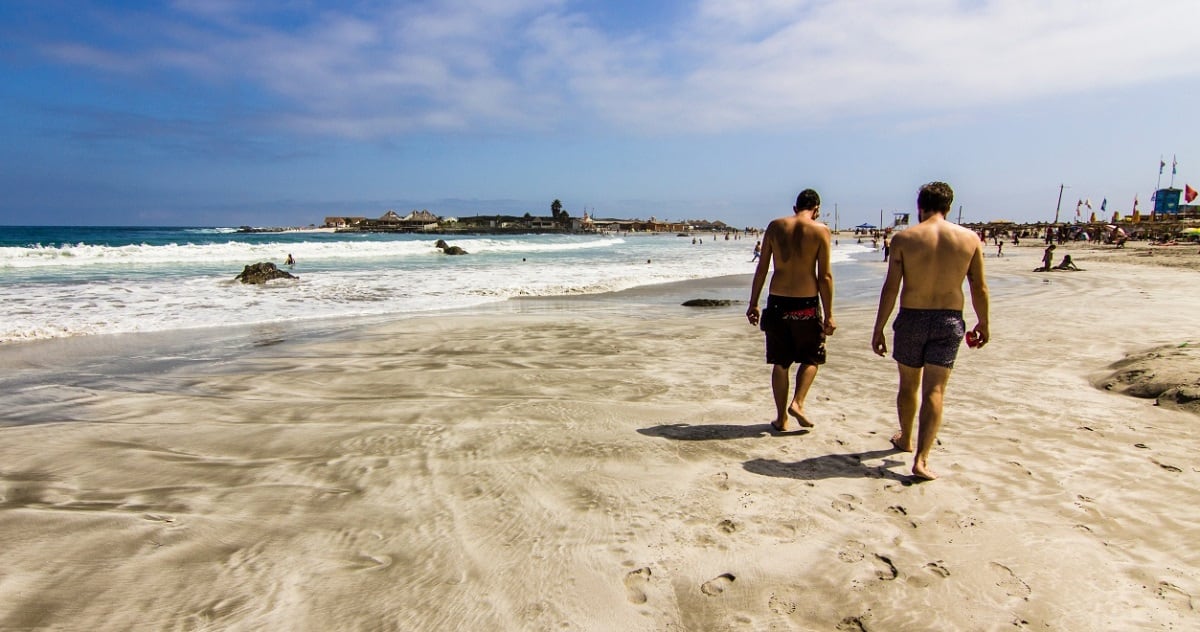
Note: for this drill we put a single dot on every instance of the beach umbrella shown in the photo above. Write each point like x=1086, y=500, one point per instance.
x=865, y=226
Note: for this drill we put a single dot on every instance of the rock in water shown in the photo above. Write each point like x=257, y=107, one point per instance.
x=708, y=302
x=454, y=250
x=262, y=272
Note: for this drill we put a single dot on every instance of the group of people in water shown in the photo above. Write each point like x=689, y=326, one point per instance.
x=926, y=267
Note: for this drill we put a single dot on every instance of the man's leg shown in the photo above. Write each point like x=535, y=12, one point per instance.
x=932, y=391
x=779, y=388
x=906, y=406
x=804, y=379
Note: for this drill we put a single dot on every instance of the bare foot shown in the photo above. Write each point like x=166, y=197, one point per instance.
x=780, y=426
x=921, y=470
x=899, y=445
x=798, y=413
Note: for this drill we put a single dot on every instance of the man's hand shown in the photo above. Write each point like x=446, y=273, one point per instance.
x=830, y=326
x=879, y=343
x=982, y=335
x=752, y=315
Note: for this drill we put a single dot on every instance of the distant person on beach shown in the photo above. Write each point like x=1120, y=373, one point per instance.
x=1047, y=259
x=291, y=261
x=929, y=262
x=999, y=248
x=887, y=249
x=799, y=311
x=757, y=251
x=1067, y=264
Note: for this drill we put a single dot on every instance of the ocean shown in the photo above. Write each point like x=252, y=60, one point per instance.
x=64, y=282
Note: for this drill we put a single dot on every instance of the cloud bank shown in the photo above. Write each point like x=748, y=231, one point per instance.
x=381, y=70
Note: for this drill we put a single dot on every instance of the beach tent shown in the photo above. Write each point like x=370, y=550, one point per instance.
x=865, y=226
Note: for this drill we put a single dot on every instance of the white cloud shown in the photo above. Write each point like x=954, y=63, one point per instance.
x=533, y=64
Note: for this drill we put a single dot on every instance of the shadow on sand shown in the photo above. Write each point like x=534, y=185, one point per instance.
x=849, y=465
x=688, y=432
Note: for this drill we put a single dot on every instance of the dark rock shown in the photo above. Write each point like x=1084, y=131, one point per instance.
x=263, y=272
x=708, y=302
x=448, y=249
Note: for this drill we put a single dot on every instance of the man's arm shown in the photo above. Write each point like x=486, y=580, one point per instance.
x=825, y=281
x=760, y=274
x=888, y=295
x=979, y=296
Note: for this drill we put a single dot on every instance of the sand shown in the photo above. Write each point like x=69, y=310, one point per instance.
x=597, y=465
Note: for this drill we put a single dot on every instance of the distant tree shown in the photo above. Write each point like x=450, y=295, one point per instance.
x=528, y=216
x=556, y=209
x=563, y=217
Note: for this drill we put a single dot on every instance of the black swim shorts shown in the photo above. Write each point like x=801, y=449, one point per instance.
x=795, y=331
x=927, y=336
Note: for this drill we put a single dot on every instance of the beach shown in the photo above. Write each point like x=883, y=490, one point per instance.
x=606, y=463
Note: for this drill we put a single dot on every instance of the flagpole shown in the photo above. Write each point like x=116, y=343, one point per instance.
x=1161, y=163
x=1174, y=162
x=1059, y=205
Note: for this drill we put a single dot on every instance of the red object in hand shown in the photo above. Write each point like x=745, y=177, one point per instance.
x=972, y=339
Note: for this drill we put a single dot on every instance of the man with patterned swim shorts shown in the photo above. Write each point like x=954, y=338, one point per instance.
x=801, y=286
x=928, y=264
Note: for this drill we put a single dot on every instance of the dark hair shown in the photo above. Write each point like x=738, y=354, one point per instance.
x=935, y=197
x=807, y=199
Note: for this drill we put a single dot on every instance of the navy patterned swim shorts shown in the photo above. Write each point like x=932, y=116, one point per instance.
x=927, y=336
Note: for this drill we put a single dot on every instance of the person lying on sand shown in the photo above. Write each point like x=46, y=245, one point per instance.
x=1067, y=264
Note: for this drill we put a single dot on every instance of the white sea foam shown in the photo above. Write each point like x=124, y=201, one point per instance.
x=81, y=289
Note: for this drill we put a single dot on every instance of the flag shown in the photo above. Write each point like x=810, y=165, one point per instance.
x=1174, y=164
x=1088, y=203
x=1189, y=193
x=1135, y=204
x=1103, y=204
x=1161, y=163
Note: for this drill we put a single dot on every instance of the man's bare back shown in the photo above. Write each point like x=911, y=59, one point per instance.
x=934, y=256
x=796, y=245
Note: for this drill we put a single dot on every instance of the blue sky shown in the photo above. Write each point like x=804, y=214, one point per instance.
x=231, y=112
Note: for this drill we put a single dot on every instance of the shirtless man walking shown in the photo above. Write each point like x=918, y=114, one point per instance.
x=801, y=290
x=929, y=262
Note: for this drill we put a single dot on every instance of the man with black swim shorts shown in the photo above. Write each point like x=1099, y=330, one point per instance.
x=799, y=312
x=928, y=264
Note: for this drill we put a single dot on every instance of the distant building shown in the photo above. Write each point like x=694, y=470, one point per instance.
x=391, y=220
x=343, y=222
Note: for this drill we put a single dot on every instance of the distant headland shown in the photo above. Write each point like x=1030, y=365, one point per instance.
x=559, y=221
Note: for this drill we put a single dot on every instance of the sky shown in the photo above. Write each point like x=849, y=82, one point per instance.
x=280, y=113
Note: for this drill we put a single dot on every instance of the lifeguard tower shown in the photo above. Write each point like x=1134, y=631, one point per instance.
x=1167, y=201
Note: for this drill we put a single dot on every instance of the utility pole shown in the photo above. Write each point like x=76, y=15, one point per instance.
x=1059, y=205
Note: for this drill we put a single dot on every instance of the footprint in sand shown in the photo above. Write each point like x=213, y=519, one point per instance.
x=717, y=585
x=780, y=606
x=635, y=581
x=854, y=551
x=1176, y=596
x=937, y=569
x=888, y=572
x=852, y=624
x=1013, y=586
x=845, y=502
x=366, y=562
x=727, y=526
